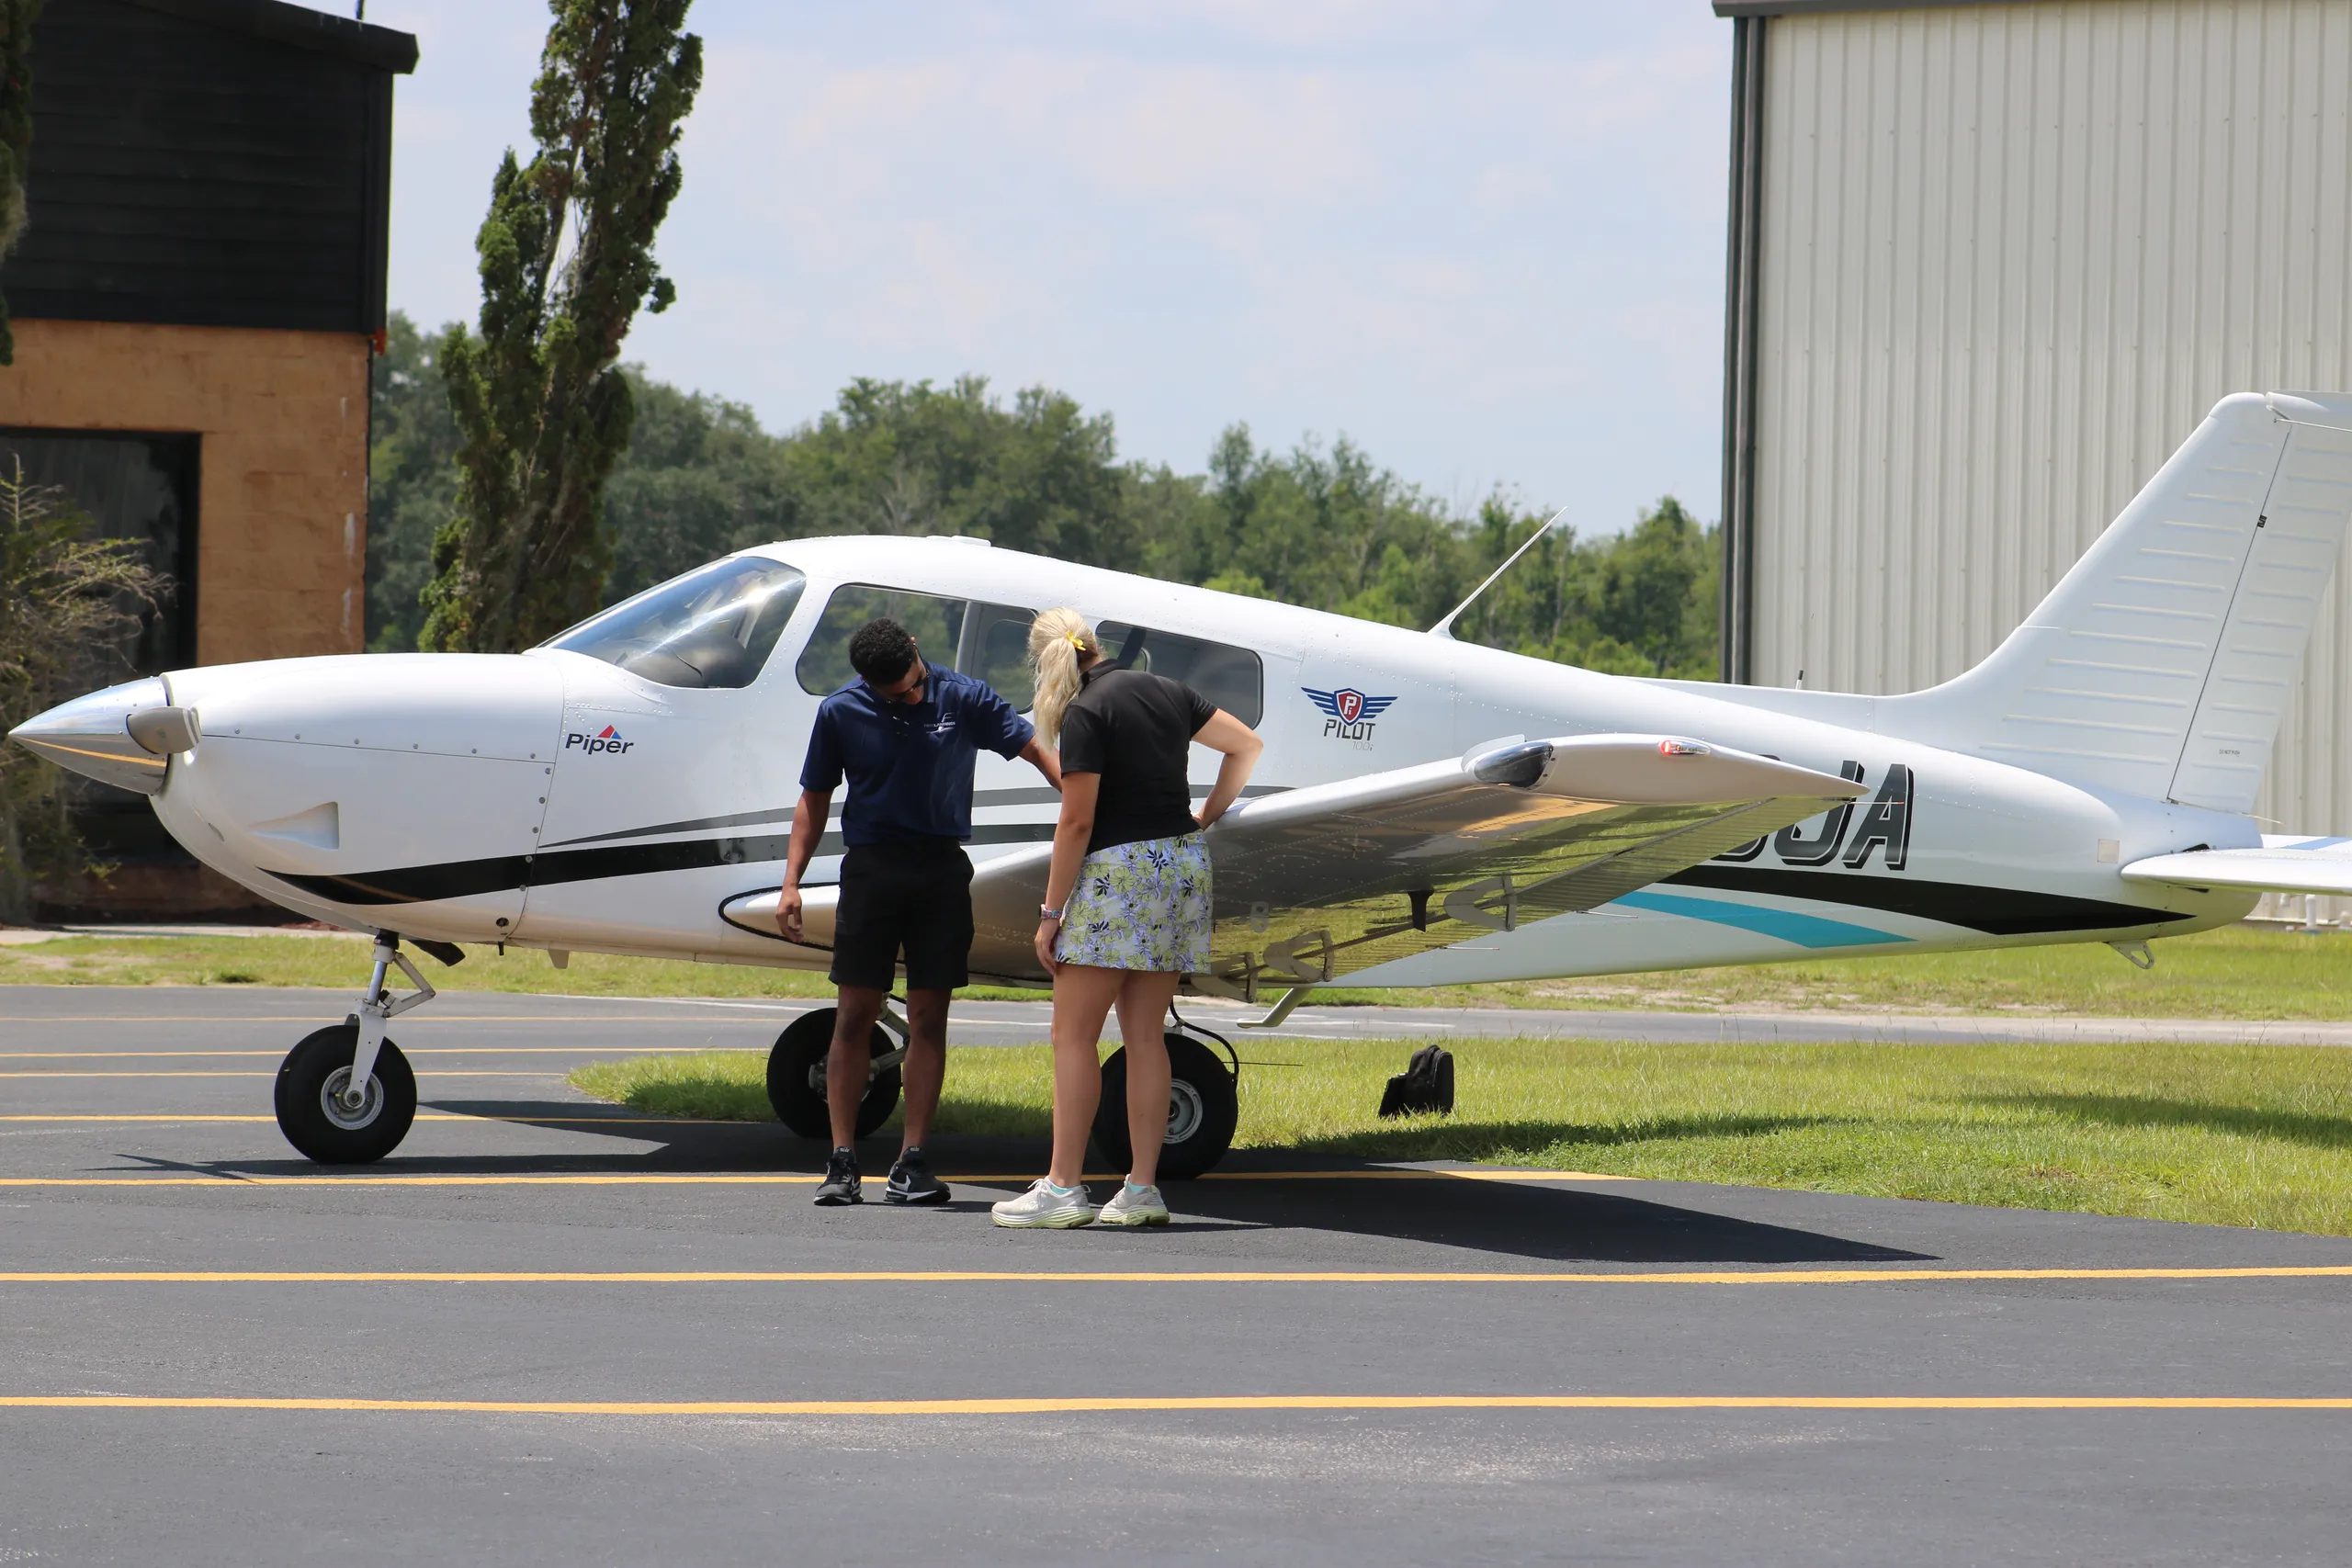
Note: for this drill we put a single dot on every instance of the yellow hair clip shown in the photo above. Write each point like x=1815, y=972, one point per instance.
x=1077, y=641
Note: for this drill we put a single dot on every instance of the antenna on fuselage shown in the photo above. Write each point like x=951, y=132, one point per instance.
x=1445, y=628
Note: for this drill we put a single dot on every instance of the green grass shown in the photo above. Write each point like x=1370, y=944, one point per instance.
x=2255, y=1136
x=2236, y=972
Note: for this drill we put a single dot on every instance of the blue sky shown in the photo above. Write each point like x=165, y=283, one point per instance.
x=1484, y=240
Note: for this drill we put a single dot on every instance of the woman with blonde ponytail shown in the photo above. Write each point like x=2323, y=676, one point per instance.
x=1060, y=644
x=1127, y=910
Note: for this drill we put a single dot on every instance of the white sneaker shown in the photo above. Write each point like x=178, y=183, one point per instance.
x=1045, y=1204
x=1133, y=1206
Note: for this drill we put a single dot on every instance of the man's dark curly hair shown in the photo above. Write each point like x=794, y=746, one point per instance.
x=881, y=652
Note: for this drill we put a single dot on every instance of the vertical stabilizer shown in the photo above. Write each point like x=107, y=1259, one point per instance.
x=2161, y=664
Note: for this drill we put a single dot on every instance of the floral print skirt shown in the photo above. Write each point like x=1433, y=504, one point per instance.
x=1140, y=905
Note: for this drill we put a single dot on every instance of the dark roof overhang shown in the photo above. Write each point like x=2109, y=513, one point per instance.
x=362, y=43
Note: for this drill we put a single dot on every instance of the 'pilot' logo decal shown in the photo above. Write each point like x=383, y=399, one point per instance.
x=608, y=740
x=1350, y=712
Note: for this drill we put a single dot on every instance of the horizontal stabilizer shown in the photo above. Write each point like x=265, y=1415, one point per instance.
x=2281, y=866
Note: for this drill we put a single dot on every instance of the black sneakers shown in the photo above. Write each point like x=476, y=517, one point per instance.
x=841, y=1183
x=911, y=1181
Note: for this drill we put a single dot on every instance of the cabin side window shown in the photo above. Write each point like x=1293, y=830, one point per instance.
x=1232, y=678
x=990, y=641
x=714, y=626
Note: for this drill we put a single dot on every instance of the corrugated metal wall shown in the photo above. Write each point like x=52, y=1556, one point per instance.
x=2009, y=256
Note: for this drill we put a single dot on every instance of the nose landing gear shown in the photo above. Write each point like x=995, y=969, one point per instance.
x=346, y=1095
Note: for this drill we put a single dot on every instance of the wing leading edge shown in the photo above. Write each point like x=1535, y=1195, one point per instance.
x=1322, y=882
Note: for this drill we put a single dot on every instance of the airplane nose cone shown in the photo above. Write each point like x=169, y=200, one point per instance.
x=92, y=735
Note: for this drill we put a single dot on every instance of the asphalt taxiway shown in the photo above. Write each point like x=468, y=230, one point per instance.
x=548, y=1331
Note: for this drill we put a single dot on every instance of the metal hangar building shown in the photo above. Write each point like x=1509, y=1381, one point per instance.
x=1989, y=265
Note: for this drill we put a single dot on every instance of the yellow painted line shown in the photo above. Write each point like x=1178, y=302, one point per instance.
x=405, y=1050
x=628, y=1178
x=1245, y=1402
x=427, y=1116
x=1126, y=1276
x=436, y=1017
x=240, y=1073
x=231, y=1181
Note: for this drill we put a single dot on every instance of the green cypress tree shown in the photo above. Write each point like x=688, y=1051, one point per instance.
x=566, y=258
x=16, y=135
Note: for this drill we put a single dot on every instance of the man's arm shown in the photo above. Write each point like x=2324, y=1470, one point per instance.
x=808, y=828
x=1046, y=763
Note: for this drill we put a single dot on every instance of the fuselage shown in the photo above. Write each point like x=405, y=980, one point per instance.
x=557, y=799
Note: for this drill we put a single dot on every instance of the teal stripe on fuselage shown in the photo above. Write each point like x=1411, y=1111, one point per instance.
x=1804, y=931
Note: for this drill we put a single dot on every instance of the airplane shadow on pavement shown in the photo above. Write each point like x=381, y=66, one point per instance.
x=1522, y=1219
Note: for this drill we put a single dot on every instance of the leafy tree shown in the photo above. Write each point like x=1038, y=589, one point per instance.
x=566, y=259
x=412, y=479
x=67, y=601
x=16, y=18
x=1324, y=528
x=701, y=479
x=892, y=457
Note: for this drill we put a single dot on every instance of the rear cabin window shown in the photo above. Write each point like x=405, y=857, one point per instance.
x=714, y=626
x=1232, y=678
x=989, y=641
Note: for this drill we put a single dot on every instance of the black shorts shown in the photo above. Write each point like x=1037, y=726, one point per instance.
x=917, y=896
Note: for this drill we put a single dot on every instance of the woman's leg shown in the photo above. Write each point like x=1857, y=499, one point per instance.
x=1142, y=1023
x=1082, y=998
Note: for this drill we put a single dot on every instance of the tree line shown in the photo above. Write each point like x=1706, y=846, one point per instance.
x=1322, y=527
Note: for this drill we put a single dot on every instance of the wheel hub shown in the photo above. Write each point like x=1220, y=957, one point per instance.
x=1185, y=1112
x=340, y=1111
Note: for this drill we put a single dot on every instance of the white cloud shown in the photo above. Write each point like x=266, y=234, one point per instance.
x=1485, y=241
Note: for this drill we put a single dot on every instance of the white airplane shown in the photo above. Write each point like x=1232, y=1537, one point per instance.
x=1426, y=812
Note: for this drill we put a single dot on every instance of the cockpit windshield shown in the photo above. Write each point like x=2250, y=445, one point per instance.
x=714, y=626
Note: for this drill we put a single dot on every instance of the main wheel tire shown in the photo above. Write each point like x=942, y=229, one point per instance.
x=1202, y=1109
x=311, y=1112
x=796, y=1077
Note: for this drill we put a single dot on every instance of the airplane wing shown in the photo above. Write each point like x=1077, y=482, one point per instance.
x=1316, y=883
x=1322, y=882
x=2282, y=864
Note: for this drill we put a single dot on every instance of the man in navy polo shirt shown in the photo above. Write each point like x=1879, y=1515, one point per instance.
x=905, y=734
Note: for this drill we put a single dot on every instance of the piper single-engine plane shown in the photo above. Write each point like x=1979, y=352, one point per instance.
x=1426, y=812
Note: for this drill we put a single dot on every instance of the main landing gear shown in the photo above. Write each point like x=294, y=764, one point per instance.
x=1204, y=1104
x=346, y=1095
x=796, y=1074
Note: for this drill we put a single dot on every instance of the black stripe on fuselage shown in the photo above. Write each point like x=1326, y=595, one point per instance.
x=1997, y=911
x=472, y=878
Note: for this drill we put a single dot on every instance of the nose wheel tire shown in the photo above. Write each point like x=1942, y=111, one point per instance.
x=317, y=1114
x=796, y=1077
x=1202, y=1109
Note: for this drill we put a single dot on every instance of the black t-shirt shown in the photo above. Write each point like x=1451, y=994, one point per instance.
x=1135, y=730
